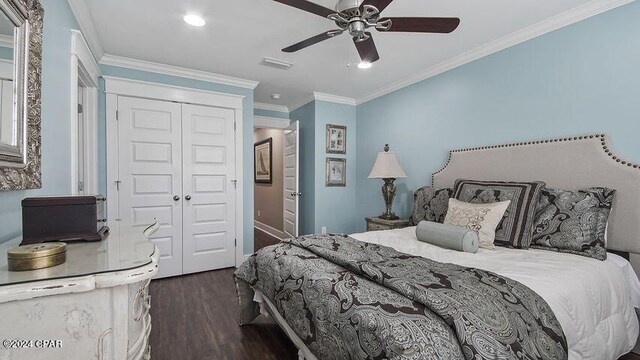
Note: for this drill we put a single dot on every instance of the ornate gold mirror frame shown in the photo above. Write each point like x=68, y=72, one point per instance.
x=20, y=167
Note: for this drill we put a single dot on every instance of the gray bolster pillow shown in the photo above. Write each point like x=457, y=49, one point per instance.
x=448, y=236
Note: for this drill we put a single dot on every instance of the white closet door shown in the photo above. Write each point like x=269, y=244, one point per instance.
x=208, y=187
x=291, y=194
x=150, y=161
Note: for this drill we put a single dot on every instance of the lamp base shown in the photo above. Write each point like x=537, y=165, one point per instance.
x=391, y=216
x=388, y=193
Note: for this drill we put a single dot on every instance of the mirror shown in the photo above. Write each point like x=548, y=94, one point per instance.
x=21, y=23
x=8, y=124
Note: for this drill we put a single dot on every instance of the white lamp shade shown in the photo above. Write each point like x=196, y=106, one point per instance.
x=387, y=166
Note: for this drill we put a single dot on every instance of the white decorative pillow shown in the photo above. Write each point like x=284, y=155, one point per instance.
x=483, y=218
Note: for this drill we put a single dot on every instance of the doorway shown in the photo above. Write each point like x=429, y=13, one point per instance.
x=82, y=164
x=175, y=155
x=84, y=133
x=176, y=164
x=276, y=185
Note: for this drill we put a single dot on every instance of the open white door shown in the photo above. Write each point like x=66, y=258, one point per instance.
x=291, y=179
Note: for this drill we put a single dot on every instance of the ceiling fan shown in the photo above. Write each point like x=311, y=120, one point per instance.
x=356, y=16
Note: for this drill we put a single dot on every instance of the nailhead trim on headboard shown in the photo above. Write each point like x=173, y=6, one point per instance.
x=602, y=137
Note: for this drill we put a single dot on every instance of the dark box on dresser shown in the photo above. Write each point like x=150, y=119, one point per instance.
x=60, y=218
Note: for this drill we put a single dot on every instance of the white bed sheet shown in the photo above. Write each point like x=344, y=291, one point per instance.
x=590, y=298
x=632, y=281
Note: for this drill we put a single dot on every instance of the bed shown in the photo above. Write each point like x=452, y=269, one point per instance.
x=363, y=296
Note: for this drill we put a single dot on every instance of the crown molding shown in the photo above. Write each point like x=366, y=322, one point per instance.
x=83, y=16
x=318, y=96
x=334, y=98
x=567, y=18
x=6, y=41
x=302, y=103
x=171, y=70
x=270, y=107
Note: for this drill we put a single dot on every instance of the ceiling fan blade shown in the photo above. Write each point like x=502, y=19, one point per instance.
x=367, y=49
x=379, y=4
x=308, y=6
x=312, y=41
x=425, y=24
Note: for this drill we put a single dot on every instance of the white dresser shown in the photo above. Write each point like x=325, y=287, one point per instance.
x=95, y=306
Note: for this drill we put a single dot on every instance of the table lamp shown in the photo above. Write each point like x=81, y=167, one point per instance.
x=388, y=169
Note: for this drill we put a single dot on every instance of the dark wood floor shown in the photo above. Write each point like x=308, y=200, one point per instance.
x=194, y=318
x=262, y=239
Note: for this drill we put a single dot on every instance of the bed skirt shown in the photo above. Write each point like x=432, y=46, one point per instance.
x=252, y=303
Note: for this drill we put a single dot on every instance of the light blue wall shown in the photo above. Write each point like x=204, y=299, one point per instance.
x=582, y=79
x=56, y=115
x=6, y=53
x=335, y=206
x=320, y=205
x=202, y=85
x=271, y=113
x=307, y=117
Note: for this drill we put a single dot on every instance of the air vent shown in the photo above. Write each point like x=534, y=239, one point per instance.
x=278, y=64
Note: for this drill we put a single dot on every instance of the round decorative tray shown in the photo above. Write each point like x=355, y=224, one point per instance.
x=36, y=256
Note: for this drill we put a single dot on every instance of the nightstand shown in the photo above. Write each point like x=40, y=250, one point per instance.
x=375, y=223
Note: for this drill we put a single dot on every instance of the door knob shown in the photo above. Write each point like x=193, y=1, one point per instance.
x=188, y=197
x=176, y=197
x=296, y=194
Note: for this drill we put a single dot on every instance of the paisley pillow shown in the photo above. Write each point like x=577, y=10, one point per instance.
x=430, y=204
x=573, y=222
x=516, y=227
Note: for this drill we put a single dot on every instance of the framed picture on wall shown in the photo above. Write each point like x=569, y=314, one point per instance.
x=336, y=172
x=262, y=156
x=336, y=139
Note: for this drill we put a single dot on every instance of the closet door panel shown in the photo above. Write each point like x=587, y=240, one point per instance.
x=150, y=171
x=209, y=193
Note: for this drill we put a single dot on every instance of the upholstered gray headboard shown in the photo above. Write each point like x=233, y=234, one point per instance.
x=568, y=163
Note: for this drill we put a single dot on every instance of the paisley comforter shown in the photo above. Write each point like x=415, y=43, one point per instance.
x=347, y=299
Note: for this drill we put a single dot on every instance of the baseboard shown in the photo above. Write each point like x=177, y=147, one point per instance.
x=269, y=230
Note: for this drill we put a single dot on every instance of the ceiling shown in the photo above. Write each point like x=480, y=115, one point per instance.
x=239, y=33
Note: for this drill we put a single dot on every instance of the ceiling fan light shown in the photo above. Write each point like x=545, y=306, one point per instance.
x=365, y=65
x=194, y=20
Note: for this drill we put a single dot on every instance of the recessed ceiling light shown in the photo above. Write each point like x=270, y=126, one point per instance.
x=275, y=96
x=194, y=20
x=365, y=65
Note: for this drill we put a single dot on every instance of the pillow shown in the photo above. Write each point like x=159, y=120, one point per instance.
x=430, y=204
x=483, y=218
x=574, y=222
x=448, y=236
x=516, y=228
